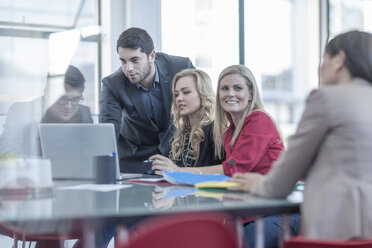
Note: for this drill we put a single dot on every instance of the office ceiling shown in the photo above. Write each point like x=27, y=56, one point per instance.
x=42, y=14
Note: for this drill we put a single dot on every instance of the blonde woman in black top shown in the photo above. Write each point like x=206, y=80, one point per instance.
x=191, y=135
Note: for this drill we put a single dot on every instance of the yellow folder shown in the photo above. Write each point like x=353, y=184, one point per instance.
x=213, y=184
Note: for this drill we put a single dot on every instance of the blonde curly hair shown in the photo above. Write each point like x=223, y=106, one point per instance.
x=181, y=122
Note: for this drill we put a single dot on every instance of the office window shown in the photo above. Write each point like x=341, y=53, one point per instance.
x=204, y=30
x=282, y=50
x=346, y=15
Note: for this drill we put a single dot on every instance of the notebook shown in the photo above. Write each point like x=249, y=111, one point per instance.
x=71, y=148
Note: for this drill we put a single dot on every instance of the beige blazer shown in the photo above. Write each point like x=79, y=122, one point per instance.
x=332, y=151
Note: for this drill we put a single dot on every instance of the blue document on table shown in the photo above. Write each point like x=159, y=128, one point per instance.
x=176, y=191
x=179, y=177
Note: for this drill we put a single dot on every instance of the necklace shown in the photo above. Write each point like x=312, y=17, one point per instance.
x=187, y=161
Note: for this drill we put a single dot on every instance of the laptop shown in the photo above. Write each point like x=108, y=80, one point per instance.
x=71, y=148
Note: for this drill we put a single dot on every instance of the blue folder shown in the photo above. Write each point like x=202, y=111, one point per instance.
x=179, y=177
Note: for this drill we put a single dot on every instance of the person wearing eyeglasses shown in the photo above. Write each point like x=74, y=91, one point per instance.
x=20, y=137
x=68, y=108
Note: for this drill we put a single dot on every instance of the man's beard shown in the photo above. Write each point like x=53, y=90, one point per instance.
x=146, y=74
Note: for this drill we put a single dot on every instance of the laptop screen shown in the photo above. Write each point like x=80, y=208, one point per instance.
x=71, y=148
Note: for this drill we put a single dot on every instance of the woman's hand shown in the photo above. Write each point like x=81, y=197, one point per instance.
x=161, y=163
x=246, y=181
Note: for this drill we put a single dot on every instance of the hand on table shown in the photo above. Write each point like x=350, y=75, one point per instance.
x=161, y=163
x=246, y=181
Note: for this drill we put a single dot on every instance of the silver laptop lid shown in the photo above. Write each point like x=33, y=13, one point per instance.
x=71, y=147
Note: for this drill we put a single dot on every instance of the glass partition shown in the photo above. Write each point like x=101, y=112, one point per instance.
x=39, y=41
x=49, y=73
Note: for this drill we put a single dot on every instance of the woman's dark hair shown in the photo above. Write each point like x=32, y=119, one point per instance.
x=357, y=46
x=135, y=38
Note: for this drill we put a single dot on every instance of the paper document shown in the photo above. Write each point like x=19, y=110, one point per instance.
x=146, y=180
x=96, y=187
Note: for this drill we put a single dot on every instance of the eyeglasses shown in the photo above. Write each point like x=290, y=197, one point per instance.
x=74, y=100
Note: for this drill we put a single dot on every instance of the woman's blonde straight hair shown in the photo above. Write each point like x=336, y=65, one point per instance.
x=223, y=118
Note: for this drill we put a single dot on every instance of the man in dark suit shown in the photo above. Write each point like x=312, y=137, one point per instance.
x=137, y=97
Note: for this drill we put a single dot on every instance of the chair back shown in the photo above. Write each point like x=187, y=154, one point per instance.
x=300, y=242
x=197, y=230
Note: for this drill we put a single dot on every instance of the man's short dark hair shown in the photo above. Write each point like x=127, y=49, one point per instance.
x=74, y=78
x=135, y=38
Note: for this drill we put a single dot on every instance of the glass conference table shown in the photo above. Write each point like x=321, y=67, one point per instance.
x=68, y=211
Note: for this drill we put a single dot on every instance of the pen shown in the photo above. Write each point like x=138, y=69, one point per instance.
x=173, y=159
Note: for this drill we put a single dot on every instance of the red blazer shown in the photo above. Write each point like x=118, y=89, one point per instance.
x=256, y=148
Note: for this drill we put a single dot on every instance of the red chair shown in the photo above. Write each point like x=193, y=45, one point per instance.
x=208, y=230
x=300, y=242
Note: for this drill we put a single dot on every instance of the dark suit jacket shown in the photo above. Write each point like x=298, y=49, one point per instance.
x=137, y=135
x=82, y=115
